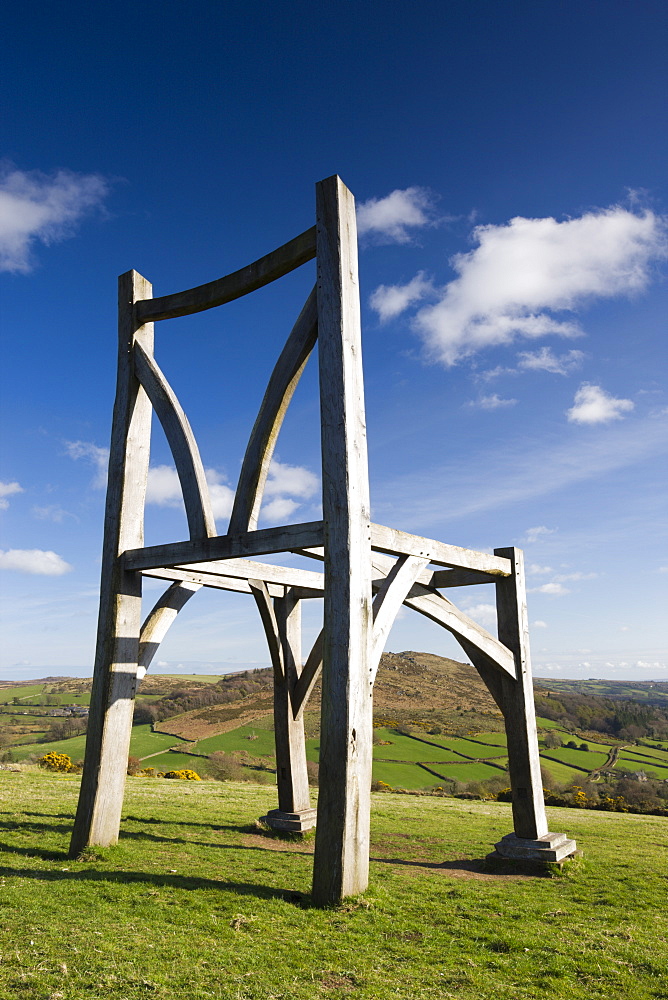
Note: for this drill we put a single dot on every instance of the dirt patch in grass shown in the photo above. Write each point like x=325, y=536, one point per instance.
x=262, y=842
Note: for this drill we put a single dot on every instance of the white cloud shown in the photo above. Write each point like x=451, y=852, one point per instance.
x=593, y=405
x=555, y=589
x=544, y=360
x=292, y=479
x=493, y=402
x=533, y=534
x=164, y=490
x=391, y=300
x=539, y=623
x=164, y=487
x=484, y=614
x=279, y=509
x=522, y=272
x=45, y=207
x=222, y=495
x=539, y=570
x=389, y=219
x=8, y=490
x=93, y=453
x=662, y=569
x=35, y=561
x=561, y=577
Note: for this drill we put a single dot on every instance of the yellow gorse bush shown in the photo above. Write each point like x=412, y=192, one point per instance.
x=185, y=774
x=56, y=762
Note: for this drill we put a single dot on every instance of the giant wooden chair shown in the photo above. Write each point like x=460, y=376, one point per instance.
x=370, y=570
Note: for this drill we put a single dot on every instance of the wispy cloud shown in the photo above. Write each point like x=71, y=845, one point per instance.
x=390, y=219
x=593, y=405
x=545, y=361
x=99, y=457
x=554, y=589
x=522, y=472
x=492, y=402
x=8, y=490
x=523, y=276
x=52, y=512
x=532, y=536
x=35, y=561
x=391, y=300
x=42, y=207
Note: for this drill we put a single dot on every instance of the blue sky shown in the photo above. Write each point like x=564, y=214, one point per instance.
x=508, y=161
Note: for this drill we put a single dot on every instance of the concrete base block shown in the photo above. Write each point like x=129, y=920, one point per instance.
x=297, y=822
x=553, y=847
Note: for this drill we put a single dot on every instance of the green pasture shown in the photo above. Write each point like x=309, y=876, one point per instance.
x=656, y=753
x=175, y=762
x=475, y=771
x=254, y=740
x=588, y=759
x=561, y=772
x=628, y=762
x=7, y=695
x=404, y=748
x=74, y=747
x=142, y=743
x=544, y=723
x=404, y=776
x=194, y=903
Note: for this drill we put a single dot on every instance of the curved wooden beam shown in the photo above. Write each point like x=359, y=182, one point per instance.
x=308, y=677
x=433, y=605
x=182, y=443
x=389, y=598
x=159, y=620
x=265, y=607
x=280, y=389
x=215, y=293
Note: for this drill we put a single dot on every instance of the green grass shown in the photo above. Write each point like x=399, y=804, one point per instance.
x=26, y=692
x=238, y=739
x=75, y=747
x=142, y=742
x=587, y=759
x=190, y=906
x=404, y=776
x=561, y=772
x=628, y=762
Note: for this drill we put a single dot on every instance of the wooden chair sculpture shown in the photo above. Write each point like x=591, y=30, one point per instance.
x=369, y=570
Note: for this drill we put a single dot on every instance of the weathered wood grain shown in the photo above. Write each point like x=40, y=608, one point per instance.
x=265, y=607
x=396, y=542
x=261, y=444
x=252, y=543
x=389, y=598
x=215, y=582
x=341, y=860
x=181, y=442
x=518, y=705
x=291, y=772
x=159, y=621
x=248, y=279
x=115, y=673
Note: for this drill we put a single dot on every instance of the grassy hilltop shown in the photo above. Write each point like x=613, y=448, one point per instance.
x=196, y=902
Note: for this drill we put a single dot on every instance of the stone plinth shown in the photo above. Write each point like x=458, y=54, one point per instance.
x=296, y=822
x=553, y=847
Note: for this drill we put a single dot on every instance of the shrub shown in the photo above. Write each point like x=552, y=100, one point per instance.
x=134, y=765
x=53, y=761
x=185, y=775
x=224, y=767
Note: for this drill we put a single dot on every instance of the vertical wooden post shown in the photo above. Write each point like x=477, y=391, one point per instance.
x=341, y=864
x=529, y=817
x=115, y=674
x=294, y=811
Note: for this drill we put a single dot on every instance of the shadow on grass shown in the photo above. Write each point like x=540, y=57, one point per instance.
x=152, y=879
x=474, y=867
